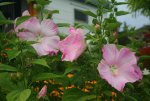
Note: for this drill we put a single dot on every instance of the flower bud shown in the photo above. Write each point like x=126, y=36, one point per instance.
x=42, y=92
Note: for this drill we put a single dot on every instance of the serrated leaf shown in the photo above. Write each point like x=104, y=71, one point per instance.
x=6, y=3
x=24, y=95
x=46, y=76
x=4, y=67
x=89, y=13
x=40, y=62
x=120, y=13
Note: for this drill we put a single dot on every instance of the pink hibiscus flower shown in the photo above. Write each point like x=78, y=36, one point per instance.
x=119, y=66
x=73, y=45
x=42, y=92
x=44, y=33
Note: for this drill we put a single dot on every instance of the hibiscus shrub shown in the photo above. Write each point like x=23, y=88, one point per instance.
x=89, y=63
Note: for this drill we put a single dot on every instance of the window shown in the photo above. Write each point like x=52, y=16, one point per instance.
x=13, y=10
x=81, y=0
x=80, y=17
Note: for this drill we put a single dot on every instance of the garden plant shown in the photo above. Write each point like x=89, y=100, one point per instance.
x=89, y=63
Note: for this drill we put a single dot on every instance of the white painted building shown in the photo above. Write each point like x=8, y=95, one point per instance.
x=69, y=12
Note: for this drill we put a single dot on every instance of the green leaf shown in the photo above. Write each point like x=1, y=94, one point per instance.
x=144, y=57
x=46, y=76
x=13, y=53
x=76, y=95
x=40, y=62
x=130, y=98
x=120, y=13
x=121, y=3
x=112, y=26
x=89, y=13
x=43, y=2
x=2, y=17
x=4, y=67
x=121, y=46
x=6, y=83
x=55, y=11
x=3, y=20
x=17, y=95
x=70, y=69
x=87, y=97
x=89, y=27
x=6, y=22
x=63, y=24
x=22, y=19
x=24, y=95
x=6, y=3
x=12, y=96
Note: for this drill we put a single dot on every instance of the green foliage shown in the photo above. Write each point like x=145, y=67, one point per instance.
x=17, y=95
x=140, y=6
x=6, y=3
x=45, y=76
x=3, y=20
x=13, y=53
x=22, y=19
x=119, y=13
x=76, y=95
x=90, y=13
x=4, y=67
x=40, y=62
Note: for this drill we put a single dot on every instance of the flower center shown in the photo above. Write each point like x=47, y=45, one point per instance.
x=114, y=70
x=39, y=38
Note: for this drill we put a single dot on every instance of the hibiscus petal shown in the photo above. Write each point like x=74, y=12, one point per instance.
x=26, y=36
x=114, y=80
x=49, y=28
x=32, y=25
x=50, y=44
x=72, y=46
x=110, y=53
x=42, y=92
x=138, y=72
x=104, y=70
x=125, y=56
x=71, y=53
x=39, y=49
x=26, y=13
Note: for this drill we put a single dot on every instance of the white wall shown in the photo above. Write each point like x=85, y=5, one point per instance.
x=66, y=11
